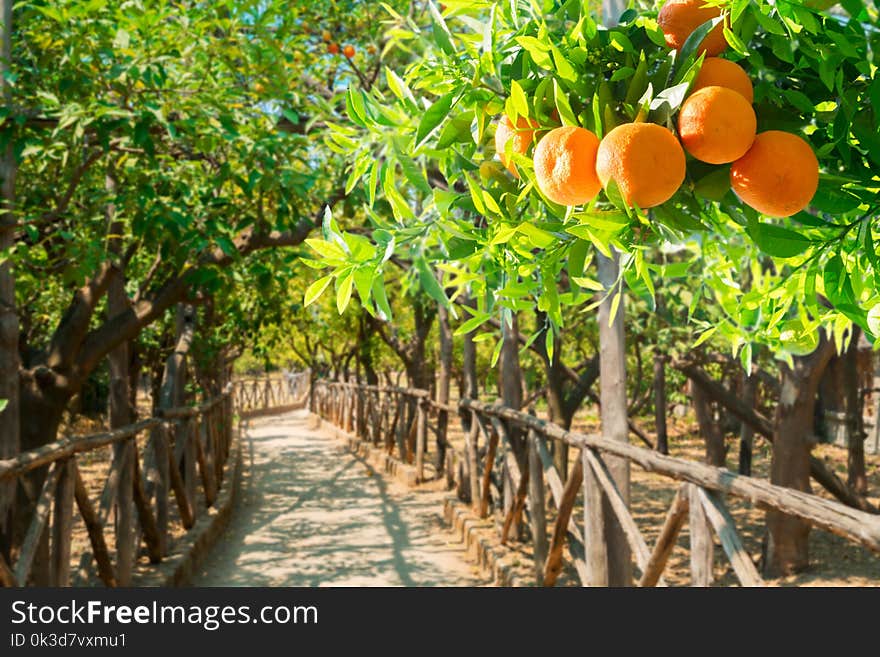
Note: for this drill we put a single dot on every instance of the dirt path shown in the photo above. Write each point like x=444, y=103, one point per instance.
x=312, y=514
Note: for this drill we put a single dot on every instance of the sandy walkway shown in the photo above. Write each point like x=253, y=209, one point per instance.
x=311, y=514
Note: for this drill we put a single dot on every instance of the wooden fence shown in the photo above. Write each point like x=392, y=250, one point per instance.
x=513, y=482
x=396, y=418
x=164, y=472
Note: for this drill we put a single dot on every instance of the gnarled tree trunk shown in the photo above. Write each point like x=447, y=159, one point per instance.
x=9, y=329
x=788, y=537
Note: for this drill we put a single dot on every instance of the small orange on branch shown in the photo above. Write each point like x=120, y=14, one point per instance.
x=519, y=138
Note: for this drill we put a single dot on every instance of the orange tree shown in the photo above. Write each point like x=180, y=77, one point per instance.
x=155, y=154
x=424, y=150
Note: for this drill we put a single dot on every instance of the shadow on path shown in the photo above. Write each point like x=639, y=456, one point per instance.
x=313, y=514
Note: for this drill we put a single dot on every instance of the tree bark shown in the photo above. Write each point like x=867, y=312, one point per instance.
x=443, y=383
x=788, y=537
x=857, y=477
x=709, y=427
x=9, y=325
x=746, y=431
x=660, y=402
x=612, y=381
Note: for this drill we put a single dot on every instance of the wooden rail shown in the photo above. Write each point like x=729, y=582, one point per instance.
x=395, y=418
x=164, y=471
x=511, y=479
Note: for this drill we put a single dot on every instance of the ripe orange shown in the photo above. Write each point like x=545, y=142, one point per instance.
x=520, y=139
x=678, y=18
x=645, y=160
x=348, y=51
x=333, y=48
x=565, y=165
x=778, y=176
x=717, y=125
x=718, y=72
x=326, y=36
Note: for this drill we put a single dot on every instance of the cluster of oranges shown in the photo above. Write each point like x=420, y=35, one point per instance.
x=333, y=47
x=774, y=172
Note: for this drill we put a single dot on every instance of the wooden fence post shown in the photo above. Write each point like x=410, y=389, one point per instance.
x=702, y=545
x=537, y=507
x=125, y=547
x=421, y=439
x=62, y=524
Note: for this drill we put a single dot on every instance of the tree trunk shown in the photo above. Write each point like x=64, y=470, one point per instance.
x=9, y=327
x=857, y=477
x=121, y=413
x=793, y=438
x=746, y=432
x=468, y=371
x=660, y=402
x=445, y=333
x=710, y=429
x=615, y=426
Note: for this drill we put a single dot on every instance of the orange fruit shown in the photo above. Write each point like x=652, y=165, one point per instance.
x=565, y=165
x=717, y=125
x=333, y=48
x=718, y=72
x=678, y=18
x=326, y=36
x=348, y=51
x=778, y=176
x=645, y=160
x=520, y=138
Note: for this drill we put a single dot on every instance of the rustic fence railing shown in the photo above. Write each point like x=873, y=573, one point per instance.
x=512, y=481
x=396, y=418
x=164, y=471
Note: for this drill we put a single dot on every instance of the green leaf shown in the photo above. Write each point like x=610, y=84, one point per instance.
x=343, y=291
x=434, y=116
x=472, y=324
x=381, y=299
x=3, y=404
x=442, y=35
x=398, y=87
x=873, y=323
x=696, y=38
x=539, y=237
x=577, y=256
x=735, y=42
x=778, y=241
x=429, y=282
x=715, y=185
x=539, y=51
x=705, y=335
x=496, y=353
x=316, y=289
x=518, y=97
